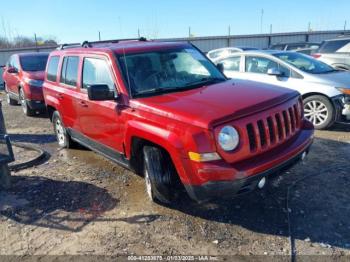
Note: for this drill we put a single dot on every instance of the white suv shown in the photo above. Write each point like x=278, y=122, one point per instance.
x=335, y=52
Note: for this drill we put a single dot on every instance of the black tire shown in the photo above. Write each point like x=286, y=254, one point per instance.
x=159, y=174
x=320, y=111
x=22, y=99
x=10, y=101
x=63, y=138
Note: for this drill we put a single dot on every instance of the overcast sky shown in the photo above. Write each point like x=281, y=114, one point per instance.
x=79, y=20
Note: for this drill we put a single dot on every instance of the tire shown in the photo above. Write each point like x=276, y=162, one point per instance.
x=10, y=101
x=320, y=111
x=159, y=174
x=63, y=138
x=26, y=109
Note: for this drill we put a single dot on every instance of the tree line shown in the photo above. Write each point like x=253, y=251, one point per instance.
x=24, y=41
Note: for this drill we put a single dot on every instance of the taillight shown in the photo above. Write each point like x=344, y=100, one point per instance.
x=316, y=55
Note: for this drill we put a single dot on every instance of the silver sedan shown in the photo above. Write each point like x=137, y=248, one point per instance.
x=325, y=90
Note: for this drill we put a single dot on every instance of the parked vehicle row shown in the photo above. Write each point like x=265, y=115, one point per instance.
x=164, y=110
x=24, y=78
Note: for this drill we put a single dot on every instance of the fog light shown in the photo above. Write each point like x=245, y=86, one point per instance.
x=262, y=183
x=303, y=156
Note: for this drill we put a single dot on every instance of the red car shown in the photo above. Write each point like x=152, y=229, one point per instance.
x=23, y=77
x=164, y=110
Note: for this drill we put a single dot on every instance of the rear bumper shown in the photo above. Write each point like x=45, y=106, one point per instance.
x=36, y=105
x=226, y=189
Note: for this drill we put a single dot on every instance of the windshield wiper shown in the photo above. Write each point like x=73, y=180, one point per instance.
x=205, y=81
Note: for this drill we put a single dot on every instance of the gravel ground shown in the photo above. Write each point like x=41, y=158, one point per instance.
x=78, y=203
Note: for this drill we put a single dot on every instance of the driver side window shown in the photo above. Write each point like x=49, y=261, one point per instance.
x=261, y=65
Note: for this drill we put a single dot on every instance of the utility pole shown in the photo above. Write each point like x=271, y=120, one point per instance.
x=36, y=43
x=309, y=27
x=138, y=32
x=189, y=32
x=270, y=28
x=345, y=26
x=229, y=30
x=99, y=36
x=261, y=21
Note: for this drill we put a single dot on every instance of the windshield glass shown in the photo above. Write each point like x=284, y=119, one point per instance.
x=305, y=63
x=156, y=72
x=33, y=63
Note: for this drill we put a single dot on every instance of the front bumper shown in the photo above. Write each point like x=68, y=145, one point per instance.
x=226, y=189
x=342, y=106
x=38, y=105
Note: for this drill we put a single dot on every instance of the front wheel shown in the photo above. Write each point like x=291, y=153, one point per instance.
x=159, y=174
x=319, y=111
x=10, y=101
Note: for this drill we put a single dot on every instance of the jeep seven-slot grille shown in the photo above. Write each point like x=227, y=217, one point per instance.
x=274, y=129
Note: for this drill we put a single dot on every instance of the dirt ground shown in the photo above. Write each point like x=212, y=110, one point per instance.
x=78, y=203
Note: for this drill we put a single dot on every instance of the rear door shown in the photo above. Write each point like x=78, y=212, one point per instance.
x=67, y=91
x=233, y=67
x=100, y=121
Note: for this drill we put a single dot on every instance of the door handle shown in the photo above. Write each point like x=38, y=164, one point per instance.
x=83, y=104
x=59, y=96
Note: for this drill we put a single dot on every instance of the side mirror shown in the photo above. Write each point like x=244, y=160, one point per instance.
x=2, y=66
x=220, y=66
x=12, y=70
x=274, y=72
x=100, y=93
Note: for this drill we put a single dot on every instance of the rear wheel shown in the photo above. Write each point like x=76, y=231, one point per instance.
x=26, y=109
x=63, y=138
x=159, y=175
x=319, y=111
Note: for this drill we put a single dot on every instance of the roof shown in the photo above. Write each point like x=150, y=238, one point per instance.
x=33, y=54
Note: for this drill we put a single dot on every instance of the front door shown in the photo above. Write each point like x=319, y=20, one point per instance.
x=100, y=121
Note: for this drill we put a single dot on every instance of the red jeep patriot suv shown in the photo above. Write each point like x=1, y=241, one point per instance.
x=164, y=110
x=24, y=76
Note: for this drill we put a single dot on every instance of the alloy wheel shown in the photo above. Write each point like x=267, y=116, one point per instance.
x=316, y=112
x=60, y=132
x=23, y=101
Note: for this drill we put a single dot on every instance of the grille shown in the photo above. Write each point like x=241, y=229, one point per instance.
x=274, y=129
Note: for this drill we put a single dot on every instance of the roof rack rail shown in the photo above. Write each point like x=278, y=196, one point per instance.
x=88, y=44
x=65, y=46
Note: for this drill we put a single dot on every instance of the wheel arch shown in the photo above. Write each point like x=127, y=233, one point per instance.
x=50, y=110
x=139, y=135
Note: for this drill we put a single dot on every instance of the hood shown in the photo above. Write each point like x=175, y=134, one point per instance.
x=211, y=105
x=335, y=79
x=38, y=75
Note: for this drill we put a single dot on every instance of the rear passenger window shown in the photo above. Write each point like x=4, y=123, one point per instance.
x=232, y=63
x=69, y=73
x=52, y=68
x=96, y=72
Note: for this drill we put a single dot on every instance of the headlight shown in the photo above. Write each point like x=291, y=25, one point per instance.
x=345, y=91
x=228, y=138
x=34, y=82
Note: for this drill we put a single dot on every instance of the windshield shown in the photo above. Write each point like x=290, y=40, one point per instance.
x=33, y=63
x=156, y=72
x=305, y=63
